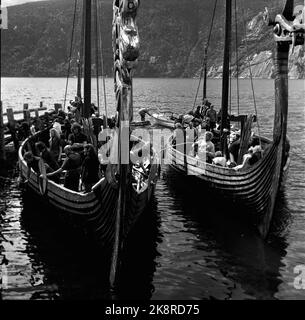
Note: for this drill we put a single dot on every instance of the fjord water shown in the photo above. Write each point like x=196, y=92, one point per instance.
x=187, y=246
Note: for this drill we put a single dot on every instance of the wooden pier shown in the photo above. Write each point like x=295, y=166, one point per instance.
x=11, y=120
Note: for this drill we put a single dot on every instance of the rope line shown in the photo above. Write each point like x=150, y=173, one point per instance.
x=70, y=53
x=205, y=55
x=82, y=40
x=230, y=85
x=96, y=56
x=237, y=58
x=298, y=155
x=81, y=51
x=251, y=77
x=99, y=9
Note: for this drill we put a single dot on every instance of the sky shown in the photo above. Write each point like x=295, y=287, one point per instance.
x=7, y=3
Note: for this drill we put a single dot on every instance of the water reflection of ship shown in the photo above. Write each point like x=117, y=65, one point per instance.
x=241, y=255
x=64, y=257
x=69, y=261
x=139, y=259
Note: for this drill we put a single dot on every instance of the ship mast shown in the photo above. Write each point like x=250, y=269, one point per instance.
x=79, y=75
x=87, y=60
x=204, y=93
x=226, y=78
x=80, y=55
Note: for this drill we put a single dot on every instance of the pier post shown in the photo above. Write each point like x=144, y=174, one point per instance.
x=27, y=116
x=12, y=127
x=26, y=113
x=57, y=106
x=2, y=144
x=38, y=119
x=36, y=114
x=46, y=118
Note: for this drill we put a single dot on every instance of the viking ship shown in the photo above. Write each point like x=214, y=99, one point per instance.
x=164, y=118
x=161, y=118
x=114, y=204
x=254, y=189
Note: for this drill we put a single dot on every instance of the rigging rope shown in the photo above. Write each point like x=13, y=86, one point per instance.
x=81, y=56
x=237, y=58
x=251, y=77
x=102, y=57
x=297, y=155
x=70, y=54
x=96, y=56
x=230, y=84
x=205, y=55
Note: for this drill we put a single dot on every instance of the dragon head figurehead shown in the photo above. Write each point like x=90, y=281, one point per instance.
x=288, y=26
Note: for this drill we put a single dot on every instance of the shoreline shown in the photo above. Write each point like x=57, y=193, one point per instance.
x=139, y=77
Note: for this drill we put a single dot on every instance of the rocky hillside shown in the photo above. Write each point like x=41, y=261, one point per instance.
x=173, y=35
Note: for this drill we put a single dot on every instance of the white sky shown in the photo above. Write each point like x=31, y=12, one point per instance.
x=7, y=3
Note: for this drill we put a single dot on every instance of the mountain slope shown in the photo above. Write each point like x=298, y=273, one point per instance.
x=173, y=35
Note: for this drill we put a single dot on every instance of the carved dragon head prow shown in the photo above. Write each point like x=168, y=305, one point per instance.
x=289, y=26
x=126, y=41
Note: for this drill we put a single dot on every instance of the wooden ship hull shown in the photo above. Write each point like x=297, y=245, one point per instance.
x=96, y=209
x=115, y=203
x=253, y=191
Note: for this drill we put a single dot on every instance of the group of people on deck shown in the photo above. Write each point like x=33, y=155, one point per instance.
x=253, y=154
x=68, y=150
x=69, y=155
x=206, y=147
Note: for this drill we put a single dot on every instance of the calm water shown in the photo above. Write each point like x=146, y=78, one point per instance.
x=183, y=252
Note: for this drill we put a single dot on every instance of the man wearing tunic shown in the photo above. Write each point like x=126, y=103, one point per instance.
x=211, y=113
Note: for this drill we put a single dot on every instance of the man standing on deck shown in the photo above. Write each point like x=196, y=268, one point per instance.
x=211, y=113
x=206, y=104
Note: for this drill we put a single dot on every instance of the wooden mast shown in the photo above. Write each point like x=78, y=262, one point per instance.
x=81, y=55
x=79, y=94
x=87, y=60
x=96, y=34
x=225, y=78
x=204, y=93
